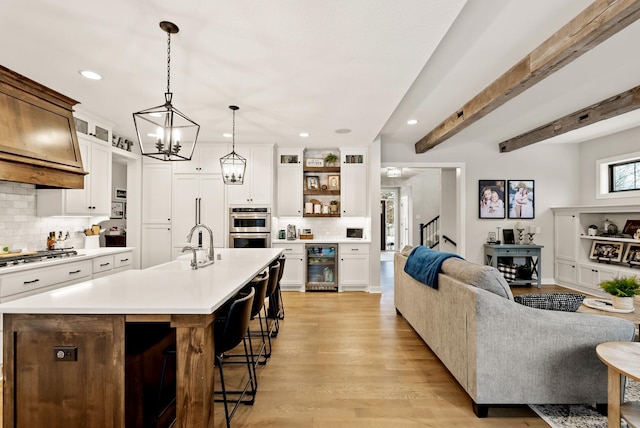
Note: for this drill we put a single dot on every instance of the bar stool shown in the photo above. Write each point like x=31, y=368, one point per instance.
x=274, y=271
x=229, y=331
x=283, y=259
x=259, y=284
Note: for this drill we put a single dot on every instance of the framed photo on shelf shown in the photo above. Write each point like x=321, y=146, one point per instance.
x=632, y=255
x=609, y=251
x=521, y=201
x=333, y=182
x=315, y=162
x=507, y=235
x=491, y=195
x=630, y=227
x=312, y=182
x=117, y=210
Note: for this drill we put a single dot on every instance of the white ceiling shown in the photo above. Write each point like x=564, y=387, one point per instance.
x=313, y=65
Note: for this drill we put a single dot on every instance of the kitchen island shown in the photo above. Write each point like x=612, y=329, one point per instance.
x=87, y=322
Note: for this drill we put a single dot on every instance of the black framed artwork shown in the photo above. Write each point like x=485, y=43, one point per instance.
x=520, y=200
x=491, y=196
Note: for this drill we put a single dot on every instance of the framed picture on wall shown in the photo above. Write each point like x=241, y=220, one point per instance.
x=117, y=210
x=491, y=195
x=120, y=194
x=520, y=201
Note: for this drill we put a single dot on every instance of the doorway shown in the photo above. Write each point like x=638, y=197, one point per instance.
x=388, y=220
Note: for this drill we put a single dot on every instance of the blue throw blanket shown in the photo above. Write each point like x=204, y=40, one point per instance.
x=423, y=264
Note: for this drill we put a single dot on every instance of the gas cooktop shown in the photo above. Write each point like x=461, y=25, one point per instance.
x=37, y=256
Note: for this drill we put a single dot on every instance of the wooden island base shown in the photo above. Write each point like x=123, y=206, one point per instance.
x=114, y=379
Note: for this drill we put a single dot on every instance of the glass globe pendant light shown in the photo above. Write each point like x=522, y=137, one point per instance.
x=164, y=133
x=233, y=165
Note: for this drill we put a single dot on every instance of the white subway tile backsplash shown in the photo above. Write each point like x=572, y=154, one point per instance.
x=20, y=228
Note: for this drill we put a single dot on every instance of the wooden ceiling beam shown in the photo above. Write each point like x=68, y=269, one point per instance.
x=618, y=104
x=595, y=24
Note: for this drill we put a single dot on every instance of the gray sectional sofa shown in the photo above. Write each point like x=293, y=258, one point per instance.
x=502, y=352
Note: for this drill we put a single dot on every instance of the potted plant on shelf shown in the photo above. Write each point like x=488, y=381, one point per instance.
x=333, y=207
x=330, y=159
x=622, y=290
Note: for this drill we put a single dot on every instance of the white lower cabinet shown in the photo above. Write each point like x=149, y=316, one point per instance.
x=354, y=267
x=110, y=264
x=34, y=281
x=156, y=244
x=591, y=275
x=566, y=272
x=293, y=275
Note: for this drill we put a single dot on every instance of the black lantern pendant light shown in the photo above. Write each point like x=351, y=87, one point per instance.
x=165, y=133
x=233, y=165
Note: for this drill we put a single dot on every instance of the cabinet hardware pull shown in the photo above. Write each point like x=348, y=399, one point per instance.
x=31, y=282
x=124, y=260
x=355, y=249
x=104, y=264
x=75, y=271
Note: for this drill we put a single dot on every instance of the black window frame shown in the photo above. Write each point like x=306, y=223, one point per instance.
x=617, y=164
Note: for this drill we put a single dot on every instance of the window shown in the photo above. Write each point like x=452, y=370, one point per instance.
x=624, y=176
x=618, y=177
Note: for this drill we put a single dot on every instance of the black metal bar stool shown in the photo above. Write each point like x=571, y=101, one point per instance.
x=229, y=331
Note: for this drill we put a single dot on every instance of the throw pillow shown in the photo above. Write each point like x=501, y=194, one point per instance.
x=568, y=302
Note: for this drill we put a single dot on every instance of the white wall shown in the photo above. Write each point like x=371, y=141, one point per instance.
x=602, y=148
x=555, y=169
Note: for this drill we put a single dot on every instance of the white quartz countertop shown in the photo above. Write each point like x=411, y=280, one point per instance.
x=170, y=288
x=82, y=255
x=322, y=241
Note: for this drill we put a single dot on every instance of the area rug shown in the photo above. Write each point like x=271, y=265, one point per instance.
x=582, y=415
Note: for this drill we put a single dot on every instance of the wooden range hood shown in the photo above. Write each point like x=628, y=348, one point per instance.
x=38, y=141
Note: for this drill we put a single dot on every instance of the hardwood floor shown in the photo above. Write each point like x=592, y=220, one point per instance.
x=347, y=360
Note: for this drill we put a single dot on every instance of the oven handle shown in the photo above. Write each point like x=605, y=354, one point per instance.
x=249, y=215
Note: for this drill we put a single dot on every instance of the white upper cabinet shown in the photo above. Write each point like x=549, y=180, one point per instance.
x=289, y=182
x=258, y=181
x=95, y=198
x=354, y=190
x=205, y=160
x=93, y=127
x=156, y=191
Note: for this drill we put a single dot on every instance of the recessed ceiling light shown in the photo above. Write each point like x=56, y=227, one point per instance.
x=90, y=74
x=343, y=131
x=412, y=121
x=304, y=134
x=227, y=135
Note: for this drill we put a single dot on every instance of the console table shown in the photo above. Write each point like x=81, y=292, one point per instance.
x=531, y=253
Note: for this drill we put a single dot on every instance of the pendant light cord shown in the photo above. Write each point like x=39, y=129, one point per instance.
x=233, y=134
x=168, y=61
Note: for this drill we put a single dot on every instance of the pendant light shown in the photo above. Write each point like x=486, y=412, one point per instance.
x=164, y=133
x=233, y=165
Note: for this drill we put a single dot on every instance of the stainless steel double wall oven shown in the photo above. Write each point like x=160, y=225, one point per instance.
x=249, y=227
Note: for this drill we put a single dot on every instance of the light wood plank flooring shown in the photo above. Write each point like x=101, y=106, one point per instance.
x=347, y=360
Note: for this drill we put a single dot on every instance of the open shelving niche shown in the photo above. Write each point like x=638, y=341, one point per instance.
x=323, y=173
x=619, y=219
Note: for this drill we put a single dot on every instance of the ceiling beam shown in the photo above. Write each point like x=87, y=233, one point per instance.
x=606, y=109
x=595, y=24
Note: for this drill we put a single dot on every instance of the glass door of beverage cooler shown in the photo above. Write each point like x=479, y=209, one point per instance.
x=322, y=267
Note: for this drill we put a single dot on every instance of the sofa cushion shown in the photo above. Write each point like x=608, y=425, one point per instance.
x=481, y=276
x=568, y=302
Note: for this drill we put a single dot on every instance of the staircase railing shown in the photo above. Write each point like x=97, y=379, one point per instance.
x=430, y=234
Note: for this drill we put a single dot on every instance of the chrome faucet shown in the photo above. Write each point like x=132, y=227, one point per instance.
x=194, y=261
x=211, y=255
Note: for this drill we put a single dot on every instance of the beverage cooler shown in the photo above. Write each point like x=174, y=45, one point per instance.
x=322, y=267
